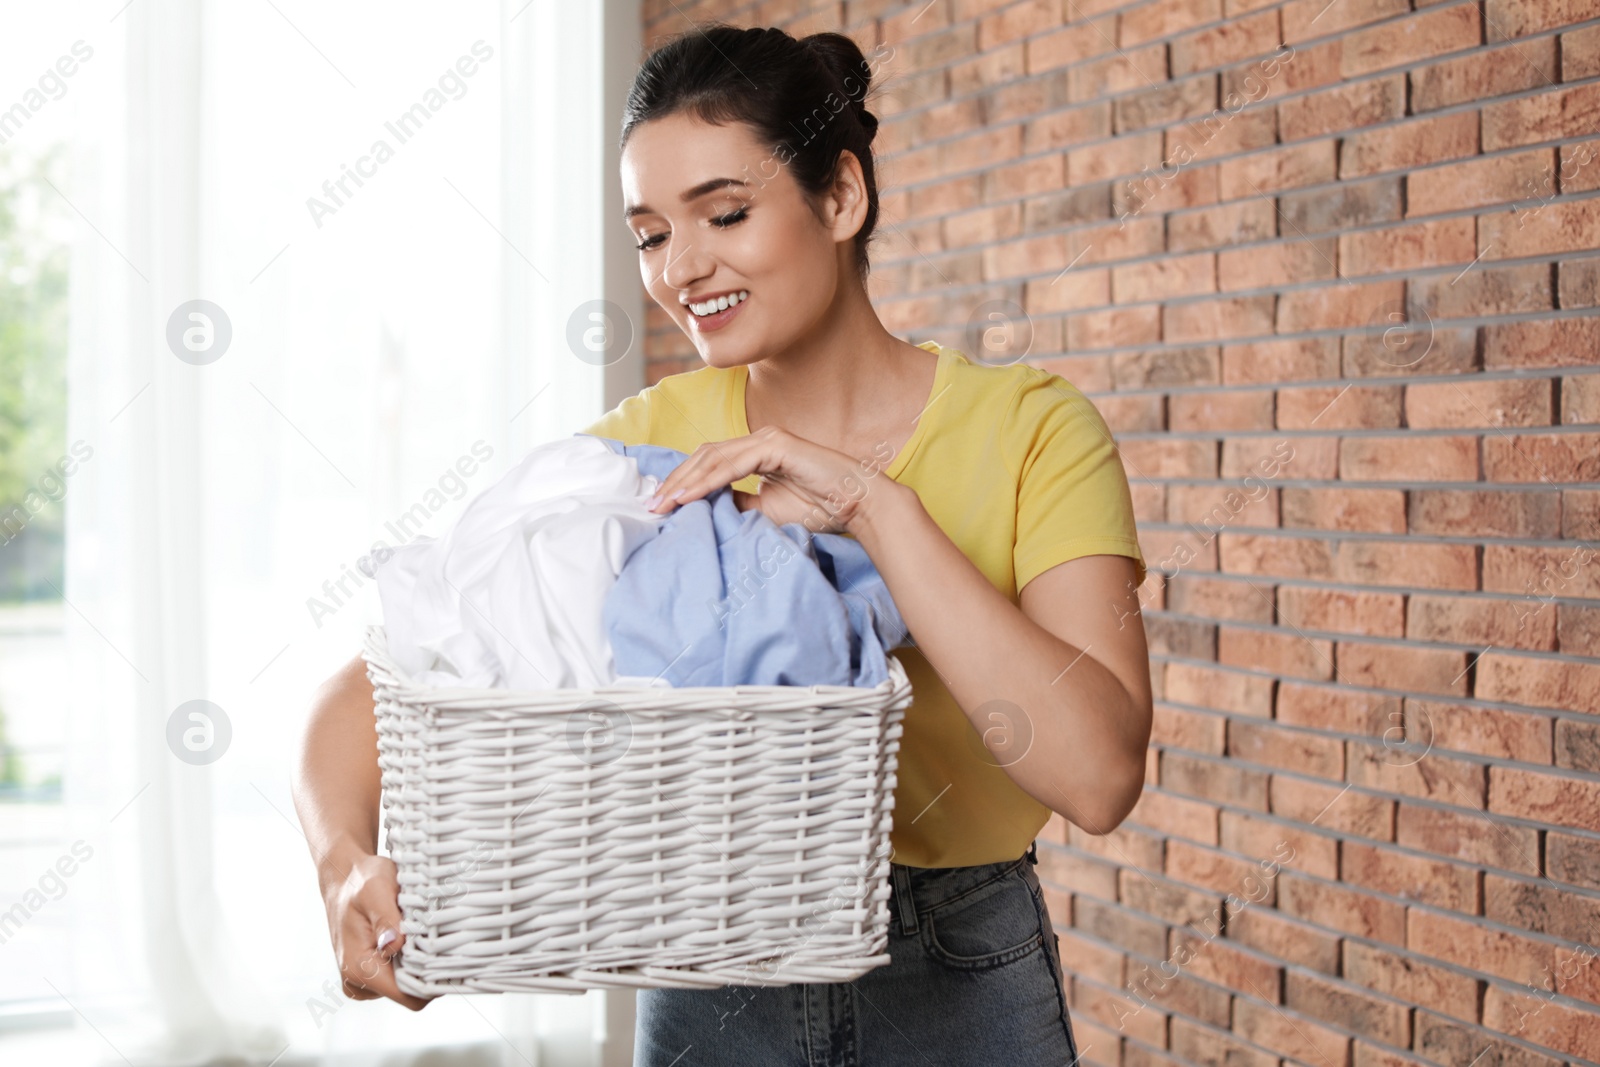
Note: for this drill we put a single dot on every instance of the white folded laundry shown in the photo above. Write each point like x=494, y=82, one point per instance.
x=511, y=596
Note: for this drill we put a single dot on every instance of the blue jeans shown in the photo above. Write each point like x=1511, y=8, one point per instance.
x=974, y=978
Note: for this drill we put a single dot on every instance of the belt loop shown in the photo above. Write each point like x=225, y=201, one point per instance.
x=905, y=904
x=1032, y=855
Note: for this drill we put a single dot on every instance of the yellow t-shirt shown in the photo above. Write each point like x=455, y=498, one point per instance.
x=1020, y=471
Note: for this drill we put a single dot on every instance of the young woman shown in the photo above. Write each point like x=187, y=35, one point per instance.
x=991, y=498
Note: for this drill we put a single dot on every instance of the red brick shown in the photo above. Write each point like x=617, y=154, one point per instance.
x=1426, y=244
x=1407, y=979
x=1080, y=955
x=1219, y=872
x=1112, y=159
x=1267, y=266
x=1174, y=367
x=1410, y=877
x=1482, y=291
x=1129, y=69
x=1540, y=796
x=1114, y=328
x=1334, y=708
x=1225, y=690
x=1341, y=908
x=1542, y=228
x=1506, y=19
x=1511, y=735
x=1571, y=457
x=1335, y=307
x=1161, y=279
x=1483, y=75
x=1281, y=843
x=1548, y=116
x=1233, y=968
x=1470, y=836
x=1225, y=43
x=1339, y=407
x=1540, y=573
x=1407, y=40
x=1573, y=859
x=1541, y=343
x=1301, y=1039
x=1400, y=347
x=1580, y=399
x=1117, y=1012
x=1202, y=1044
x=1575, y=1031
x=1206, y=320
x=1420, y=773
x=1311, y=608
x=1286, y=167
x=1470, y=943
x=1333, y=807
x=1344, y=108
x=1487, y=512
x=1218, y=598
x=1172, y=902
x=1304, y=20
x=1017, y=20
x=1348, y=1007
x=1279, y=361
x=1070, y=44
x=1166, y=103
x=1541, y=907
x=1220, y=505
x=1124, y=845
x=1222, y=783
x=1221, y=411
x=1175, y=815
x=1480, y=622
x=1164, y=18
x=1288, y=749
x=1341, y=207
x=1580, y=54
x=1297, y=457
x=1490, y=402
x=1225, y=131
x=1276, y=653
x=1241, y=222
x=1401, y=563
x=1478, y=182
x=1424, y=459
x=1294, y=942
x=1078, y=874
x=1578, y=631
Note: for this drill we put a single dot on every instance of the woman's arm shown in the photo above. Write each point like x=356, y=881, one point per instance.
x=1071, y=659
x=336, y=794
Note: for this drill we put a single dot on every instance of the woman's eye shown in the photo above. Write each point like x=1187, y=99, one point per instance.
x=720, y=221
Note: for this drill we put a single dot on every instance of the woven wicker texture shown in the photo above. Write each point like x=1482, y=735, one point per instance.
x=572, y=839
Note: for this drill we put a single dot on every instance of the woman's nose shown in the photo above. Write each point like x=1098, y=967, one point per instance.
x=685, y=264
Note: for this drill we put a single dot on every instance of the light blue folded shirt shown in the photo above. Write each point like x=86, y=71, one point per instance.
x=725, y=597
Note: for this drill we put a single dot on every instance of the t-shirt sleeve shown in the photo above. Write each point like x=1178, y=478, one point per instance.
x=1072, y=493
x=629, y=422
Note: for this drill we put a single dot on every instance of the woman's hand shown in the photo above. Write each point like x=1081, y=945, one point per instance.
x=364, y=920
x=801, y=481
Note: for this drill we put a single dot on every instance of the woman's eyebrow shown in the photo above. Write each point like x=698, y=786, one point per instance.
x=690, y=194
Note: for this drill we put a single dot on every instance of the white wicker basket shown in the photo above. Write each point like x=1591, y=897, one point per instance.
x=573, y=839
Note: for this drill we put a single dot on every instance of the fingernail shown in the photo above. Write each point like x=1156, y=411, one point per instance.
x=676, y=493
x=650, y=505
x=385, y=939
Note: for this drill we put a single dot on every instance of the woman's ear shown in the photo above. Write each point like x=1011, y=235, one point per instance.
x=846, y=207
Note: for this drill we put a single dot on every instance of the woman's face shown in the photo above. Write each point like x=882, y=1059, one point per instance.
x=715, y=214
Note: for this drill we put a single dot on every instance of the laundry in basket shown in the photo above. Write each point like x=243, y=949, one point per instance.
x=610, y=834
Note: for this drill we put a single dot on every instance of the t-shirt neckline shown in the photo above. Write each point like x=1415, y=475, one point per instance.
x=903, y=457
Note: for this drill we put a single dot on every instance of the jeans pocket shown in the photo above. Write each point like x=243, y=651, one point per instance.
x=995, y=924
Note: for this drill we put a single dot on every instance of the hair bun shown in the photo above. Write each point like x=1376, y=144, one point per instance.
x=868, y=120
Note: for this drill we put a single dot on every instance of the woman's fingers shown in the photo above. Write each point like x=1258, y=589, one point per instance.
x=716, y=464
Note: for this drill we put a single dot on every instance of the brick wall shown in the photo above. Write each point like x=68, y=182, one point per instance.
x=1329, y=270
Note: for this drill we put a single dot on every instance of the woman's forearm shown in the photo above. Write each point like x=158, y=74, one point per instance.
x=337, y=784
x=1086, y=757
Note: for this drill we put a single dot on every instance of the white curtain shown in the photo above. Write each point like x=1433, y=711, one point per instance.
x=393, y=321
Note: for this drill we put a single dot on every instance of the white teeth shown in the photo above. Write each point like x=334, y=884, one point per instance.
x=721, y=303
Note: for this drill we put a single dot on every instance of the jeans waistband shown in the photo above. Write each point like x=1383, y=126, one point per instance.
x=918, y=890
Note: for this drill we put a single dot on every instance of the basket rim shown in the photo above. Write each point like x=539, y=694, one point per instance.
x=893, y=691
